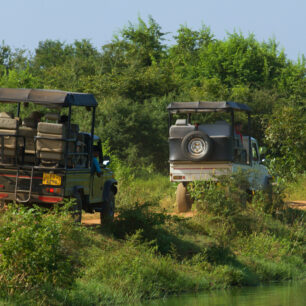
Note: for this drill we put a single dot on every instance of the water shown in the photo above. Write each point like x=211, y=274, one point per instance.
x=270, y=295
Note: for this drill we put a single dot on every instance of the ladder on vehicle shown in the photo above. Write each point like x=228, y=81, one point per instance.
x=25, y=191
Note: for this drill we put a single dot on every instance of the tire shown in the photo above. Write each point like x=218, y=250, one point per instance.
x=76, y=210
x=183, y=199
x=196, y=146
x=108, y=210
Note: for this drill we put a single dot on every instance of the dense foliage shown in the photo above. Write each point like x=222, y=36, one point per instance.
x=137, y=74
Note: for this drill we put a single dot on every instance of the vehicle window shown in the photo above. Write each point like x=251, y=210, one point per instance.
x=254, y=152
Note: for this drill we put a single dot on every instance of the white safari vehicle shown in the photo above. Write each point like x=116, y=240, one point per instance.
x=201, y=148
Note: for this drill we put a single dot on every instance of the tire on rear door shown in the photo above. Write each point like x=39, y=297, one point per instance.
x=196, y=146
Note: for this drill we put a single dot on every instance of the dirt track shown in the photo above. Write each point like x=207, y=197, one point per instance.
x=297, y=205
x=94, y=219
x=91, y=219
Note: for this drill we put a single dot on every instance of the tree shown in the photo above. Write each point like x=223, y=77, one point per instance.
x=286, y=137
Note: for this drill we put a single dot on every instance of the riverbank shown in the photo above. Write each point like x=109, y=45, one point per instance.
x=147, y=252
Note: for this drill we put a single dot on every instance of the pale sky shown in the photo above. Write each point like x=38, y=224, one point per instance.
x=23, y=23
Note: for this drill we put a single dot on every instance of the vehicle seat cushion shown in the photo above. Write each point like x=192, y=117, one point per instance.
x=53, y=116
x=8, y=123
x=50, y=155
x=29, y=134
x=9, y=142
x=6, y=115
x=51, y=128
x=181, y=122
x=27, y=131
x=50, y=145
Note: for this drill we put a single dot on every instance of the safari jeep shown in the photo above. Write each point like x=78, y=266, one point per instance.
x=202, y=150
x=46, y=159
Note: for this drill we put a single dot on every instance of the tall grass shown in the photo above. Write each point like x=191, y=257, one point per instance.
x=296, y=191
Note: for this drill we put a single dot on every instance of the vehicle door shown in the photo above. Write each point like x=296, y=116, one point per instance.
x=98, y=181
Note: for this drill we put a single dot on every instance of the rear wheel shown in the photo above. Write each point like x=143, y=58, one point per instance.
x=108, y=210
x=183, y=199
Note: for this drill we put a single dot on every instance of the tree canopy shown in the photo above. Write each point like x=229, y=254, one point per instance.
x=137, y=74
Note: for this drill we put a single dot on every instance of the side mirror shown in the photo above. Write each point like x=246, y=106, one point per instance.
x=106, y=161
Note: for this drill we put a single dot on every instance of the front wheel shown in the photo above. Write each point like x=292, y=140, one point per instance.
x=108, y=209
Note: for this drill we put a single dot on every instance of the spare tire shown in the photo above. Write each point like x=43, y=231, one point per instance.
x=196, y=146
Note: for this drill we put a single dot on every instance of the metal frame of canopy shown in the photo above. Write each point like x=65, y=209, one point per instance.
x=52, y=99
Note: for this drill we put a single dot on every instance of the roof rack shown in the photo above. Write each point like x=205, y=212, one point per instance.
x=51, y=98
x=203, y=107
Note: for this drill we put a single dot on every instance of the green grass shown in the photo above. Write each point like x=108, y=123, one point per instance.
x=296, y=191
x=146, y=253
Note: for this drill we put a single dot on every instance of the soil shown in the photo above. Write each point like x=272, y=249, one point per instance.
x=94, y=219
x=297, y=205
x=91, y=219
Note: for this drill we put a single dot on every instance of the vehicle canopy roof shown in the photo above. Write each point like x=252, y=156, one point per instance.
x=46, y=97
x=203, y=107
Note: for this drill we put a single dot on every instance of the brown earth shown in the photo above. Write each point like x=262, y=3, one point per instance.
x=91, y=219
x=297, y=204
x=94, y=219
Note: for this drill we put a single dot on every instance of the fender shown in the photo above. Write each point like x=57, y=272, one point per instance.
x=109, y=185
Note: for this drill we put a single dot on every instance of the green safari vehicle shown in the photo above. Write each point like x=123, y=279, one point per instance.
x=44, y=158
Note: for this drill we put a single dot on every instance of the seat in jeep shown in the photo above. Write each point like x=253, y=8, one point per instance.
x=28, y=132
x=8, y=138
x=50, y=146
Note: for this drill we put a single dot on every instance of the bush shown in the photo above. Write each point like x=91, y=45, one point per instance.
x=226, y=197
x=270, y=201
x=36, y=249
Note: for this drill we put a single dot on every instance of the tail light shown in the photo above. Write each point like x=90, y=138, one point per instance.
x=53, y=190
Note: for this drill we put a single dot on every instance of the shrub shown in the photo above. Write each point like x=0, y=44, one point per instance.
x=36, y=249
x=226, y=197
x=270, y=201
